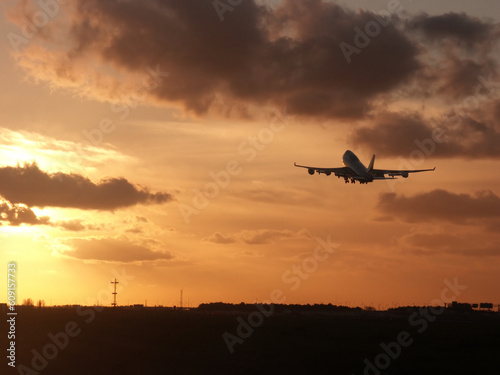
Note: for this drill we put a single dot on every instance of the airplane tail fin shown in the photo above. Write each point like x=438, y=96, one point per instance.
x=372, y=163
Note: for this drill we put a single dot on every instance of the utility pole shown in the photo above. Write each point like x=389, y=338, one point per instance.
x=114, y=293
x=181, y=300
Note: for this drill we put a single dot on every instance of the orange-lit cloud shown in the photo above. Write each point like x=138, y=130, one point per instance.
x=450, y=243
x=110, y=249
x=256, y=237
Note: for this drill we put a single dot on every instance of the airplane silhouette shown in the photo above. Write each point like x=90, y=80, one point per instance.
x=354, y=170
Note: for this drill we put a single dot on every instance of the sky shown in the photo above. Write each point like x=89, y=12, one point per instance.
x=154, y=142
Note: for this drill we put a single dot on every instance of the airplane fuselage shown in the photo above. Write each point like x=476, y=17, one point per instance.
x=351, y=161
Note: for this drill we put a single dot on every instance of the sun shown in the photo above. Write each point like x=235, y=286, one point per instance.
x=18, y=148
x=16, y=154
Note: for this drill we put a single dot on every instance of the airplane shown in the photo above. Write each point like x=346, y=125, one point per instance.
x=354, y=170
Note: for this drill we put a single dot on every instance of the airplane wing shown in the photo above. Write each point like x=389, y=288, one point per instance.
x=380, y=173
x=341, y=172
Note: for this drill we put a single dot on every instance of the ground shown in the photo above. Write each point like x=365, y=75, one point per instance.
x=84, y=340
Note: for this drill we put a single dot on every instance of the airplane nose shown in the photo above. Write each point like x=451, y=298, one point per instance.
x=346, y=155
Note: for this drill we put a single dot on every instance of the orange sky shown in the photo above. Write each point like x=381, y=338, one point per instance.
x=164, y=140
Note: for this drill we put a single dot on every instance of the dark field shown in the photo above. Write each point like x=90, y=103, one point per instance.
x=162, y=341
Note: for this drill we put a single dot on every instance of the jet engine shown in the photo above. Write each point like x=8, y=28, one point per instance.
x=311, y=171
x=404, y=174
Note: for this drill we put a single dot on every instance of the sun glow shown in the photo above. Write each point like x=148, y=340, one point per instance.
x=21, y=148
x=18, y=229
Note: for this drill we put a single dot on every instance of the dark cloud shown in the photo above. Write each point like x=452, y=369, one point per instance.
x=218, y=238
x=134, y=230
x=256, y=237
x=411, y=136
x=287, y=54
x=110, y=249
x=74, y=225
x=35, y=188
x=442, y=205
x=392, y=134
x=460, y=48
x=15, y=215
x=460, y=26
x=457, y=78
x=290, y=54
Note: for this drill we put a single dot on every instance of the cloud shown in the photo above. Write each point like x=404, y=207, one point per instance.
x=447, y=243
x=218, y=238
x=464, y=29
x=179, y=53
x=393, y=134
x=401, y=134
x=33, y=187
x=15, y=215
x=442, y=205
x=18, y=214
x=56, y=154
x=109, y=249
x=460, y=48
x=277, y=194
x=134, y=230
x=288, y=54
x=256, y=237
x=74, y=225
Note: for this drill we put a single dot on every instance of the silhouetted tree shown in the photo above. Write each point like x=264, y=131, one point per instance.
x=28, y=302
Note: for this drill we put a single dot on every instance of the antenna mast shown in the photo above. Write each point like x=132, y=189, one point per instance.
x=114, y=293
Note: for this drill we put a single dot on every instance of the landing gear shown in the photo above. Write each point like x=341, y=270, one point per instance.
x=353, y=181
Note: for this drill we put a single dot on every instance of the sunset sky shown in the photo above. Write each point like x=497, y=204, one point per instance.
x=154, y=141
